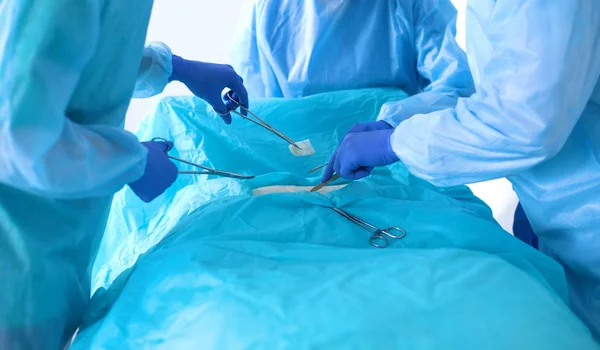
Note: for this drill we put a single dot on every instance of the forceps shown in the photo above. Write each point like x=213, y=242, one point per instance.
x=321, y=185
x=380, y=237
x=205, y=171
x=317, y=168
x=258, y=120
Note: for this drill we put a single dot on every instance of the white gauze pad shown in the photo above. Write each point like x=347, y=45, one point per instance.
x=306, y=149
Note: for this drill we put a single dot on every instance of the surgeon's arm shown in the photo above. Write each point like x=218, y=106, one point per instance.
x=531, y=95
x=155, y=70
x=442, y=65
x=42, y=151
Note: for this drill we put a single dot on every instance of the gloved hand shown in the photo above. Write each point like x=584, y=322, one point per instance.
x=207, y=81
x=233, y=102
x=369, y=126
x=359, y=153
x=159, y=175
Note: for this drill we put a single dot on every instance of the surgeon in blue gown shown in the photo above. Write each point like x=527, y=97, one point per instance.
x=535, y=119
x=297, y=48
x=68, y=69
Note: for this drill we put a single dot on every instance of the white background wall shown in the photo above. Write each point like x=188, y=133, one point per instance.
x=204, y=30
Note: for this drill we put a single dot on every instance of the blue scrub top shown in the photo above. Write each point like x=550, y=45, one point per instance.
x=299, y=48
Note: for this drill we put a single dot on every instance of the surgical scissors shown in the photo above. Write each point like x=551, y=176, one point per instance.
x=258, y=120
x=205, y=171
x=380, y=237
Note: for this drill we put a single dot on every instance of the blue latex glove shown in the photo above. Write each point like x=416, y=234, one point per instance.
x=233, y=103
x=208, y=80
x=359, y=153
x=369, y=126
x=159, y=175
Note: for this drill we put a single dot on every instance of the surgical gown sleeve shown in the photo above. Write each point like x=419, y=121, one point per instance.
x=245, y=57
x=441, y=64
x=42, y=151
x=155, y=70
x=532, y=91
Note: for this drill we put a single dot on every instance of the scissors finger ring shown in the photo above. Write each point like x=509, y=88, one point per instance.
x=378, y=240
